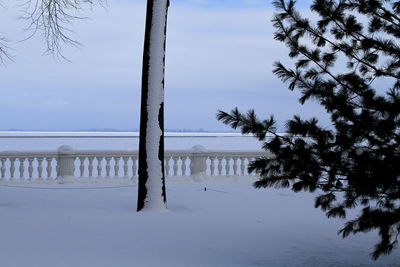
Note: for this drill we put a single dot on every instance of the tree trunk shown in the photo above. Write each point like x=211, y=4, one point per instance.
x=151, y=191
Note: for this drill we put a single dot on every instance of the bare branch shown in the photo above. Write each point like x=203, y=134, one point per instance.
x=5, y=56
x=53, y=19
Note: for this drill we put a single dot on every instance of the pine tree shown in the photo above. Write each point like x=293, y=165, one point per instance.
x=348, y=60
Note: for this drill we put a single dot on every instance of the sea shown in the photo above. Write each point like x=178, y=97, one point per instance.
x=46, y=141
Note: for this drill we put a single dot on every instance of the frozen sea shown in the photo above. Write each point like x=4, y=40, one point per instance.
x=27, y=141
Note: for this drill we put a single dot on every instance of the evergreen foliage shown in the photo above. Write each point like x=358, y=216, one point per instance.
x=348, y=60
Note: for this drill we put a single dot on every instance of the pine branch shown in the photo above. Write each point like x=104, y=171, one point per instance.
x=317, y=35
x=358, y=159
x=371, y=41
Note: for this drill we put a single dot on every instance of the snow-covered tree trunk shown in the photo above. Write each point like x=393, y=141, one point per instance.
x=151, y=192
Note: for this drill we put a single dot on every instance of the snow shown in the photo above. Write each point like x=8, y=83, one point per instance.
x=154, y=185
x=229, y=224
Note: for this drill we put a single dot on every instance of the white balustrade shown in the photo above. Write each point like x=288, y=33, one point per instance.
x=67, y=165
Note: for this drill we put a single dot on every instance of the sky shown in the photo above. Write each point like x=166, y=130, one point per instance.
x=220, y=55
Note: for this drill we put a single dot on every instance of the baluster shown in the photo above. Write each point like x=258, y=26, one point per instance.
x=126, y=168
x=247, y=165
x=242, y=166
x=228, y=165
x=40, y=168
x=90, y=167
x=235, y=166
x=250, y=160
x=191, y=162
x=99, y=166
x=116, y=166
x=57, y=166
x=21, y=168
x=12, y=168
x=219, y=165
x=167, y=165
x=81, y=166
x=134, y=167
x=30, y=168
x=3, y=168
x=175, y=166
x=212, y=166
x=183, y=159
x=49, y=168
x=108, y=166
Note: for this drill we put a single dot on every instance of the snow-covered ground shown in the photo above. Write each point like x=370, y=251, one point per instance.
x=230, y=224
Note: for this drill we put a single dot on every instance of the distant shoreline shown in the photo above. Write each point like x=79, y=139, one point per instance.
x=43, y=134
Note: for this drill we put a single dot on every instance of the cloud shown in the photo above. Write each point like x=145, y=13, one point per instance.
x=219, y=55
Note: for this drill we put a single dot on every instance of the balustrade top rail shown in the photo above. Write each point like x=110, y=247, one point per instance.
x=69, y=165
x=44, y=153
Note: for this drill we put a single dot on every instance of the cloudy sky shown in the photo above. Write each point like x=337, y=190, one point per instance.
x=219, y=56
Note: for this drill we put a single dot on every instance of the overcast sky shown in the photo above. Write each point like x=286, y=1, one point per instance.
x=219, y=56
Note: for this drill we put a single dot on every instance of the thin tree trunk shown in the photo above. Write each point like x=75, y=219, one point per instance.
x=151, y=191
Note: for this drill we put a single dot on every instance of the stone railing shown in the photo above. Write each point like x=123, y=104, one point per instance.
x=68, y=165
